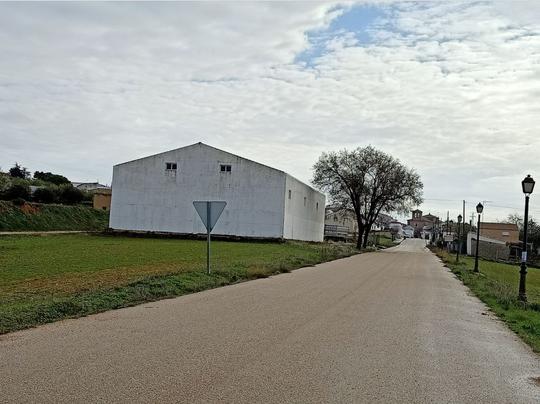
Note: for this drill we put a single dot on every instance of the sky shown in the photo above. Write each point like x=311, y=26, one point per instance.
x=452, y=89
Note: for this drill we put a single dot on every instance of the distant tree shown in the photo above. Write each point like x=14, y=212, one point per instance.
x=45, y=195
x=368, y=181
x=515, y=219
x=19, y=172
x=56, y=179
x=70, y=195
x=16, y=191
x=533, y=229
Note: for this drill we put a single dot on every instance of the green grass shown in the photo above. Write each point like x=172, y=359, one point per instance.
x=48, y=278
x=385, y=241
x=42, y=217
x=497, y=286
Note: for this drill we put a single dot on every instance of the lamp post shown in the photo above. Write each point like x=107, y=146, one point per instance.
x=527, y=185
x=458, y=237
x=479, y=209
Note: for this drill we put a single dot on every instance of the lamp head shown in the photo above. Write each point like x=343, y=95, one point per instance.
x=479, y=208
x=527, y=185
x=459, y=218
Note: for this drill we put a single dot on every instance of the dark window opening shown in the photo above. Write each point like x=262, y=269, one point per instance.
x=170, y=166
x=225, y=168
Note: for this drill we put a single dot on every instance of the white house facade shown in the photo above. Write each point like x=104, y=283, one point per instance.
x=156, y=194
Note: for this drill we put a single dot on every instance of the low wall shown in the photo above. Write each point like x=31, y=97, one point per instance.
x=491, y=251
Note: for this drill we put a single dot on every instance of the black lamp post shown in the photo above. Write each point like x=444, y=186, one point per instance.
x=527, y=185
x=479, y=209
x=458, y=237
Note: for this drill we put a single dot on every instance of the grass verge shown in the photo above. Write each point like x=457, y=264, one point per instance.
x=53, y=277
x=497, y=286
x=43, y=217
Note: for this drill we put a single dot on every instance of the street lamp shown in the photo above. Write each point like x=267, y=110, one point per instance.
x=479, y=209
x=527, y=185
x=458, y=237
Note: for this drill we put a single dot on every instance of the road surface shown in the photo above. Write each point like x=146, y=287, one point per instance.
x=392, y=326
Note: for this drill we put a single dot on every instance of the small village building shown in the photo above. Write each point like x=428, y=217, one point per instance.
x=89, y=186
x=423, y=225
x=340, y=224
x=101, y=198
x=156, y=194
x=498, y=241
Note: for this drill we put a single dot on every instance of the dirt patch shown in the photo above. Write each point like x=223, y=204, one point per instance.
x=535, y=380
x=29, y=209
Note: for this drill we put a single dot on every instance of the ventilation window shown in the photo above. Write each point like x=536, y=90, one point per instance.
x=317, y=206
x=225, y=168
x=289, y=194
x=170, y=169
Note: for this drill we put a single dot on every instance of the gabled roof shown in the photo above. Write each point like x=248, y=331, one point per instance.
x=201, y=144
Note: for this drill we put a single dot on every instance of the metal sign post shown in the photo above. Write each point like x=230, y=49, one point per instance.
x=209, y=212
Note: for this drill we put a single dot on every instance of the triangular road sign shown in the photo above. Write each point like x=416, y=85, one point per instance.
x=209, y=212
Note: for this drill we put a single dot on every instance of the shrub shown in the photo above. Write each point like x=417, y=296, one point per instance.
x=45, y=195
x=70, y=195
x=56, y=179
x=16, y=191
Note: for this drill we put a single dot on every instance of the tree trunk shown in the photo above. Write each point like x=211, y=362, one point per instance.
x=366, y=236
x=359, y=239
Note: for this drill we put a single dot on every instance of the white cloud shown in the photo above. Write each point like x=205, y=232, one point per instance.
x=450, y=88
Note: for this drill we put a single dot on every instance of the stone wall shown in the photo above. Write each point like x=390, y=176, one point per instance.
x=492, y=251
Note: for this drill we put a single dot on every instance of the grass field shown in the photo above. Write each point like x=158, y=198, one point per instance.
x=497, y=286
x=47, y=278
x=41, y=217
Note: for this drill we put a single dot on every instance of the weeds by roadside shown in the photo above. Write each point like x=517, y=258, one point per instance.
x=497, y=286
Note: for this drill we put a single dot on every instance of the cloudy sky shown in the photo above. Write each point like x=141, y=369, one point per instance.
x=451, y=89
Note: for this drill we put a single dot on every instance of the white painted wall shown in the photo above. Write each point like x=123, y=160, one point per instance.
x=304, y=211
x=145, y=198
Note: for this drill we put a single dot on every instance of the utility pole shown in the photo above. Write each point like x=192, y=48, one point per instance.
x=463, y=232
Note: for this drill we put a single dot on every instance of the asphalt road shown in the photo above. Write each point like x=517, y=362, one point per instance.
x=392, y=326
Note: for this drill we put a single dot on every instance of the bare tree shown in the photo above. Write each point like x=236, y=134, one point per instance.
x=368, y=181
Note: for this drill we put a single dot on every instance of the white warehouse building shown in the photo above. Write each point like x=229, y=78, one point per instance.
x=156, y=194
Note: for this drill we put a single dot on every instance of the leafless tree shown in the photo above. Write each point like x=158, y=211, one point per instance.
x=369, y=182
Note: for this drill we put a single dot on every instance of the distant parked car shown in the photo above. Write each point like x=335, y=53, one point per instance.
x=407, y=233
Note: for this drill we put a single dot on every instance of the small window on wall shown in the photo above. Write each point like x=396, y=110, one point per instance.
x=289, y=194
x=170, y=169
x=317, y=206
x=225, y=168
x=305, y=200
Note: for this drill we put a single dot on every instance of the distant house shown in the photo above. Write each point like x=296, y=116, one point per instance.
x=507, y=232
x=423, y=225
x=89, y=186
x=156, y=194
x=340, y=224
x=497, y=241
x=101, y=198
